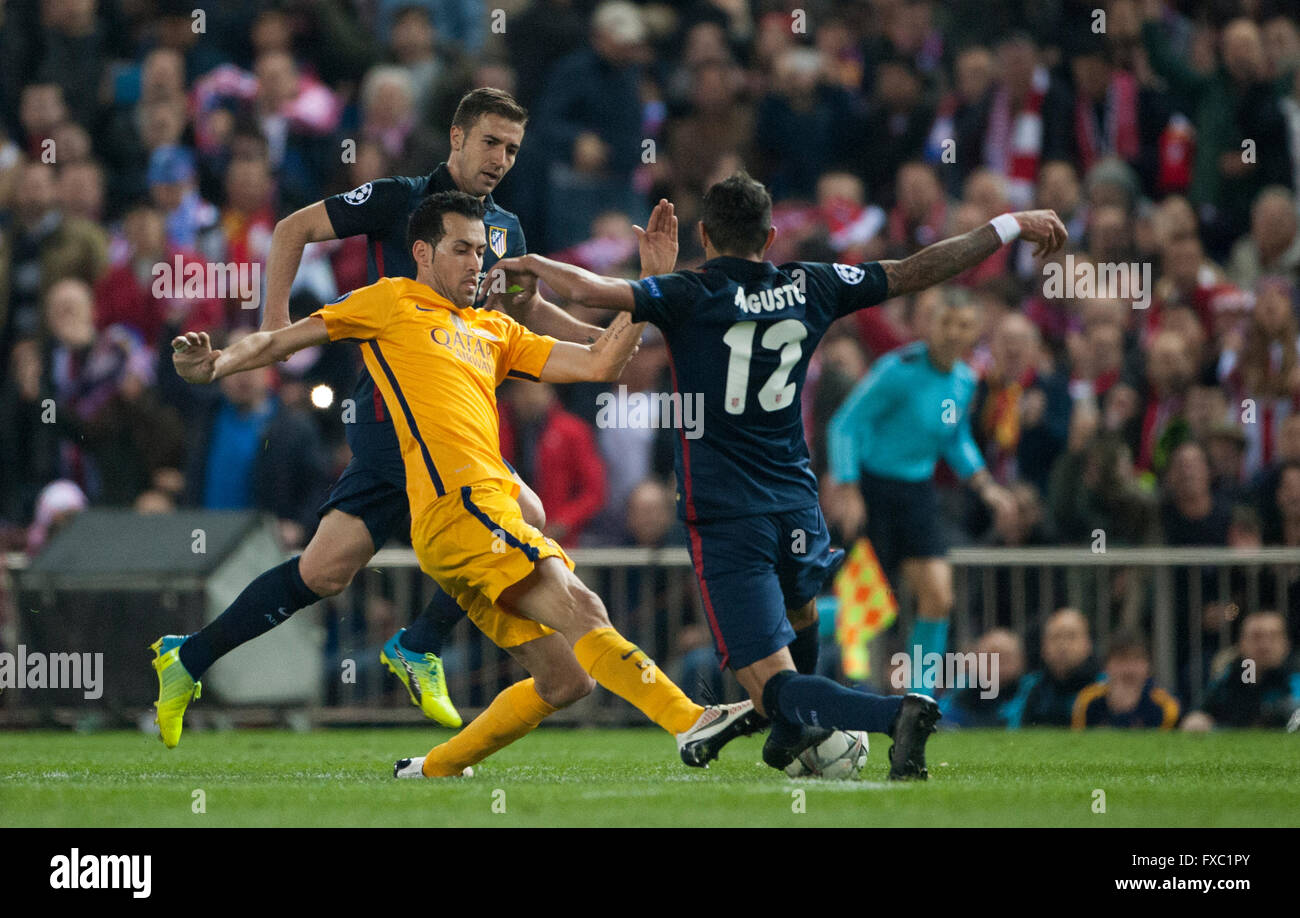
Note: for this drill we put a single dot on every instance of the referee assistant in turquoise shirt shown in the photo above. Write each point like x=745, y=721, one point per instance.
x=910, y=410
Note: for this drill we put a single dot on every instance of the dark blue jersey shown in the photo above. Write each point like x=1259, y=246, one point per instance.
x=381, y=211
x=740, y=334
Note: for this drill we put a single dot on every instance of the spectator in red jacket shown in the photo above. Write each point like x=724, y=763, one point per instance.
x=555, y=452
x=128, y=294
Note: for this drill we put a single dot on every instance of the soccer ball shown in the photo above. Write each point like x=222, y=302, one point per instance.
x=838, y=757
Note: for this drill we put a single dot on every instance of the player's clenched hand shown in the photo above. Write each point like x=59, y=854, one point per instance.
x=508, y=288
x=658, y=241
x=515, y=264
x=194, y=358
x=515, y=271
x=1043, y=228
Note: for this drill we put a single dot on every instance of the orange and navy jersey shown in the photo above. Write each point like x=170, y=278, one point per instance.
x=1156, y=708
x=438, y=367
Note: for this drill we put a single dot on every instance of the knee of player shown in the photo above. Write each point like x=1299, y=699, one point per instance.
x=326, y=580
x=588, y=611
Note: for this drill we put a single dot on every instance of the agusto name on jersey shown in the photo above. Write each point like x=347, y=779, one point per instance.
x=771, y=300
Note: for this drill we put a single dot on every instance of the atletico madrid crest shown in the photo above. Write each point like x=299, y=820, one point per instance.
x=497, y=240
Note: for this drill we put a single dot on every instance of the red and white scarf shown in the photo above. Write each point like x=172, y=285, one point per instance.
x=1119, y=134
x=1014, y=142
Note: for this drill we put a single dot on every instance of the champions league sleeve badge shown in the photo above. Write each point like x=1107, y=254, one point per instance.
x=850, y=274
x=360, y=194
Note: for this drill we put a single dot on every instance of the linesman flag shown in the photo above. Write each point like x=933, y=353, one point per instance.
x=866, y=608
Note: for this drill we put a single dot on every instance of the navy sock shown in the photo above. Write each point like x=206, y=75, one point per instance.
x=264, y=603
x=816, y=701
x=805, y=648
x=428, y=632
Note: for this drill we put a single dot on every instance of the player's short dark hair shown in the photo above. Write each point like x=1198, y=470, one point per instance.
x=426, y=222
x=737, y=215
x=487, y=100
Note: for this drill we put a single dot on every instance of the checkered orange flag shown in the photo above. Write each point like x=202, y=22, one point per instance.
x=866, y=608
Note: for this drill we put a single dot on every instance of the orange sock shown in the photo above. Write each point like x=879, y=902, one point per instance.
x=621, y=667
x=514, y=713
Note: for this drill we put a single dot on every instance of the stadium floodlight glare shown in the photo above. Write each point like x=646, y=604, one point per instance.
x=322, y=396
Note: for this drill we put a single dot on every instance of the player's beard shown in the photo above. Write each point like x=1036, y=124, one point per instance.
x=447, y=290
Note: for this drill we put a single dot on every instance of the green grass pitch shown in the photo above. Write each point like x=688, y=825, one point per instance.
x=602, y=777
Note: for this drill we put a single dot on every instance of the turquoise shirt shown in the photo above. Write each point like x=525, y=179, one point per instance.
x=902, y=417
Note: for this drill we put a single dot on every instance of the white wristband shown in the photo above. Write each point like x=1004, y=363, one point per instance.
x=1007, y=227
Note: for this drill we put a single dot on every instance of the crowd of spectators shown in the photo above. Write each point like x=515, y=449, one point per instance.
x=1165, y=134
x=1253, y=682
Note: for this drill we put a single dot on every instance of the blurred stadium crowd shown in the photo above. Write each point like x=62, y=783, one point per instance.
x=1168, y=137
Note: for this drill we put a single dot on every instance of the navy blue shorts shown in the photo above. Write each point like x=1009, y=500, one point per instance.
x=902, y=520
x=373, y=486
x=751, y=570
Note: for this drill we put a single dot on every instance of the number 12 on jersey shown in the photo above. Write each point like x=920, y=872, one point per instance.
x=778, y=392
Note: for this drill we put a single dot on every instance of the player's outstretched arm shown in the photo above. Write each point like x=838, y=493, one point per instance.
x=524, y=303
x=542, y=316
x=657, y=244
x=291, y=235
x=600, y=362
x=197, y=362
x=519, y=298
x=936, y=263
x=572, y=283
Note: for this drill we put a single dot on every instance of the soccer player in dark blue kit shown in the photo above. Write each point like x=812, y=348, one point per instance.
x=369, y=503
x=741, y=330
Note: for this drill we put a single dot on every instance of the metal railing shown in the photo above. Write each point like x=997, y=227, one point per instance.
x=1162, y=593
x=1182, y=600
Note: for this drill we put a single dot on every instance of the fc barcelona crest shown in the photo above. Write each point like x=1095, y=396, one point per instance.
x=497, y=240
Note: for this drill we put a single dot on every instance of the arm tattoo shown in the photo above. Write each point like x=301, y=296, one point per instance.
x=936, y=263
